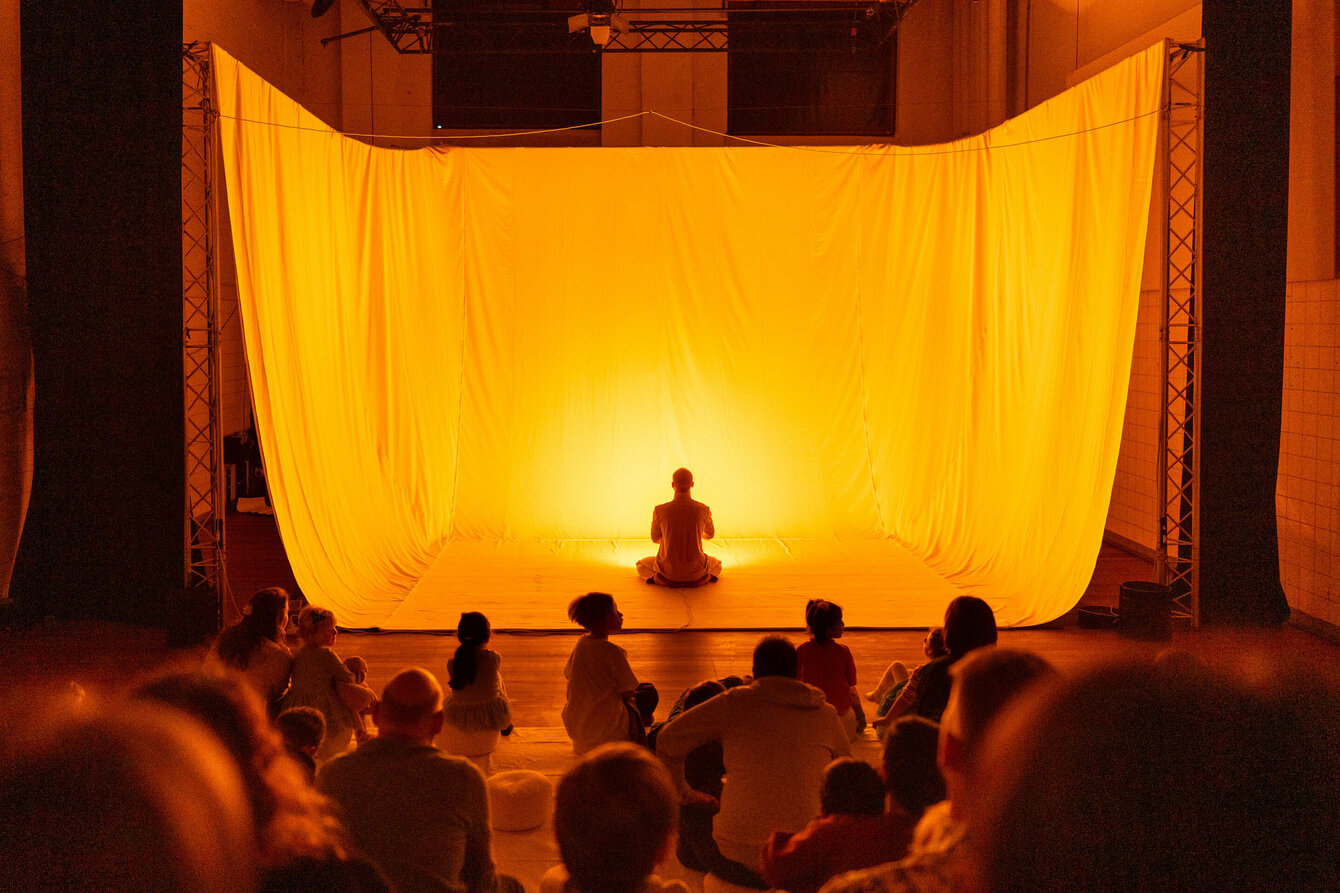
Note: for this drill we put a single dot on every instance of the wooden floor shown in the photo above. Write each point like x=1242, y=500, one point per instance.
x=105, y=656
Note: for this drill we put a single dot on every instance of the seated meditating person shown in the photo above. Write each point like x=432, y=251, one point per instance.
x=679, y=527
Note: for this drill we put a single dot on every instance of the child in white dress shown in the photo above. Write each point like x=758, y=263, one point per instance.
x=478, y=711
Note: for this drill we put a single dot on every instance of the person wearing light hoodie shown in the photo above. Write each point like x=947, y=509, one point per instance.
x=777, y=735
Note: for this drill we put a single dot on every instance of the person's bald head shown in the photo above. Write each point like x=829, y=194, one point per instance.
x=682, y=480
x=411, y=705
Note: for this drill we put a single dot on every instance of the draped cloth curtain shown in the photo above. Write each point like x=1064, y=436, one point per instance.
x=926, y=344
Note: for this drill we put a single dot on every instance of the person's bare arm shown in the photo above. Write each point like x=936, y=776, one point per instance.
x=709, y=530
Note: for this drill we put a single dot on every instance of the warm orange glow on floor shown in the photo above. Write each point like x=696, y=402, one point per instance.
x=764, y=584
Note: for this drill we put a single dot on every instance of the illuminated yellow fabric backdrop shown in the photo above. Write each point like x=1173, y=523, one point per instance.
x=929, y=344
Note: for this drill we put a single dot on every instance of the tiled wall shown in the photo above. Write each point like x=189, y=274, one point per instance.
x=1133, y=512
x=1308, y=493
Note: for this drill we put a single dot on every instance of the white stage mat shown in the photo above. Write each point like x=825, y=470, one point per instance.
x=526, y=585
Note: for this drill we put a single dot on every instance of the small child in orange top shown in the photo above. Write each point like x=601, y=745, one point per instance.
x=827, y=664
x=853, y=831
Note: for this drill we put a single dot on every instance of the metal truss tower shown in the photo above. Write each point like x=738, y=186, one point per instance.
x=1179, y=420
x=204, y=542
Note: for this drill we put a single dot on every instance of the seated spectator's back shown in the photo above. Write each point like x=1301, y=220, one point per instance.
x=615, y=814
x=777, y=736
x=292, y=822
x=421, y=815
x=140, y=799
x=1140, y=778
x=969, y=624
x=854, y=831
x=911, y=775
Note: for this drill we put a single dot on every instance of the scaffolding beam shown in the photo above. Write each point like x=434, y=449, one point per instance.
x=1179, y=326
x=203, y=445
x=415, y=29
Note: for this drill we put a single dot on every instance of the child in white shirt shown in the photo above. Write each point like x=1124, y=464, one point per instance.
x=605, y=702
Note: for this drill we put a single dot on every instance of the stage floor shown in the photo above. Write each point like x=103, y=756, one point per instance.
x=526, y=585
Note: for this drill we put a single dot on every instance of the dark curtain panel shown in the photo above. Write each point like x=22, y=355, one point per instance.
x=102, y=194
x=1246, y=195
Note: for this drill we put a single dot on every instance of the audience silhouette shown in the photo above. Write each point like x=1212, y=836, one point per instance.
x=1144, y=775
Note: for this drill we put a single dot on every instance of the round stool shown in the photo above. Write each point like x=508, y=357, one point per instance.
x=520, y=800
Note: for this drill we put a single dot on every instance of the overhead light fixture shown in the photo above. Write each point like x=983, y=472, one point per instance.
x=599, y=20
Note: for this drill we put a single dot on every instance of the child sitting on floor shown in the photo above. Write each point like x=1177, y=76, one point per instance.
x=478, y=711
x=896, y=675
x=614, y=819
x=303, y=729
x=827, y=664
x=605, y=702
x=321, y=680
x=853, y=831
